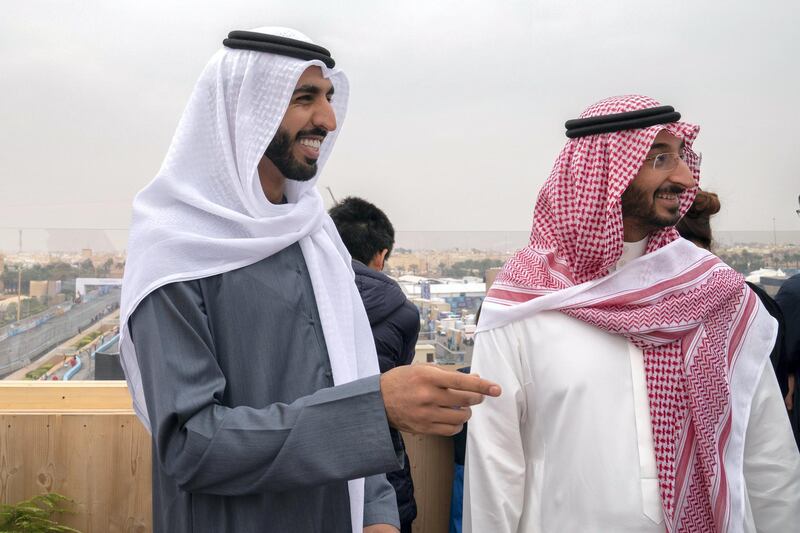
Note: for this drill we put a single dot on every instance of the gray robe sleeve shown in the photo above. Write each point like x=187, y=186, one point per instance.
x=380, y=502
x=334, y=434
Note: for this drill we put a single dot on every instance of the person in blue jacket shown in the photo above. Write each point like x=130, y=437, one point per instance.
x=369, y=237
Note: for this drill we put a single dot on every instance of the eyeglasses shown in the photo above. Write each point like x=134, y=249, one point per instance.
x=666, y=161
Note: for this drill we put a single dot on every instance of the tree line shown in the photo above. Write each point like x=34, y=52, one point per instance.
x=57, y=271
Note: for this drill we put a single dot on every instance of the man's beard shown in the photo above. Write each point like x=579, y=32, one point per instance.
x=640, y=205
x=279, y=152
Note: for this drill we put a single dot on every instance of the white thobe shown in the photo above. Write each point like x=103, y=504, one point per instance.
x=568, y=446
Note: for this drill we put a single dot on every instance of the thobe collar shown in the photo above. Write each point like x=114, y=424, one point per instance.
x=631, y=251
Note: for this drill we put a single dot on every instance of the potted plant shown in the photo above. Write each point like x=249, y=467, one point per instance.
x=35, y=515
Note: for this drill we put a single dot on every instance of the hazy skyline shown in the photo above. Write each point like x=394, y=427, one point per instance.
x=456, y=110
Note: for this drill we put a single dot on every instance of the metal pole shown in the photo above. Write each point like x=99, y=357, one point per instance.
x=774, y=233
x=332, y=196
x=19, y=291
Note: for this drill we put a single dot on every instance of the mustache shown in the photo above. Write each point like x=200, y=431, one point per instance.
x=671, y=189
x=313, y=132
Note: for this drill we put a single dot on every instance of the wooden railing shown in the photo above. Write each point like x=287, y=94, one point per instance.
x=82, y=439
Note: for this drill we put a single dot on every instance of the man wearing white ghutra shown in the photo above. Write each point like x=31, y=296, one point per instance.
x=245, y=342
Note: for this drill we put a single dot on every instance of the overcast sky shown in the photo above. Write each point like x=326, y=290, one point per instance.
x=456, y=111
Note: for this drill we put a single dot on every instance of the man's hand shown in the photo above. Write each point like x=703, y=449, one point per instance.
x=380, y=528
x=429, y=400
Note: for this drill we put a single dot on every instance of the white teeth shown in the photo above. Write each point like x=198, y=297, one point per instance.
x=311, y=143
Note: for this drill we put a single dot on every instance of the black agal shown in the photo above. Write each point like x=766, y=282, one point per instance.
x=641, y=118
x=262, y=42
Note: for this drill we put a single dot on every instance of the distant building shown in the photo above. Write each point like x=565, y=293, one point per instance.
x=768, y=279
x=430, y=310
x=44, y=290
x=458, y=296
x=38, y=289
x=424, y=353
x=86, y=253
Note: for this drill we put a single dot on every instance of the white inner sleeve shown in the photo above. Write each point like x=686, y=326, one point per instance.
x=651, y=495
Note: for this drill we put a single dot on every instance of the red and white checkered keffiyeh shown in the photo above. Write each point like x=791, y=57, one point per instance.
x=691, y=314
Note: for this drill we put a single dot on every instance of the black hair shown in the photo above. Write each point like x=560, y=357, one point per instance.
x=365, y=229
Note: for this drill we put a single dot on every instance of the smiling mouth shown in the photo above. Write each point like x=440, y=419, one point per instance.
x=314, y=144
x=309, y=146
x=668, y=196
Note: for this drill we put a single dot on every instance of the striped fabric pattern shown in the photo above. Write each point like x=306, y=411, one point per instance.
x=686, y=309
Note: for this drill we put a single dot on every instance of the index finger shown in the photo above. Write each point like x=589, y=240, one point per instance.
x=468, y=383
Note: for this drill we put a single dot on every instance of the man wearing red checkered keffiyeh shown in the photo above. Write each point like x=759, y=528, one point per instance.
x=632, y=362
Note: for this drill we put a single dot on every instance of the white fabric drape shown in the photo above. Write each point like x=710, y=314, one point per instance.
x=568, y=446
x=205, y=212
x=575, y=399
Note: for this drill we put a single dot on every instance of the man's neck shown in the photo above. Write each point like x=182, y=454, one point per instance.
x=273, y=182
x=632, y=232
x=631, y=251
x=634, y=228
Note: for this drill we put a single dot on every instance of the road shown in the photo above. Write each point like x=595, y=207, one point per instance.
x=20, y=350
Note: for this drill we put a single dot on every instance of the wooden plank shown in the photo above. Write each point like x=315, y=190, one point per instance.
x=432, y=464
x=82, y=440
x=50, y=397
x=100, y=461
